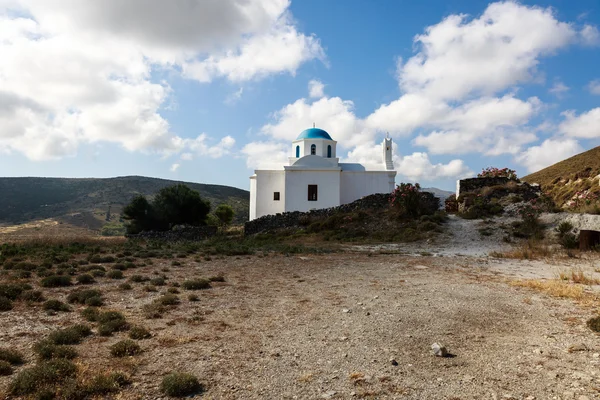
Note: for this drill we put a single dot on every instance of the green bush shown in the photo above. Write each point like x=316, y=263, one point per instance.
x=85, y=279
x=12, y=291
x=594, y=324
x=108, y=316
x=90, y=314
x=13, y=357
x=5, y=304
x=196, y=284
x=178, y=384
x=153, y=311
x=99, y=259
x=193, y=297
x=115, y=274
x=168, y=300
x=82, y=296
x=110, y=327
x=139, y=333
x=56, y=305
x=125, y=348
x=5, y=368
x=125, y=286
x=159, y=281
x=45, y=373
x=71, y=335
x=119, y=266
x=105, y=384
x=47, y=350
x=138, y=278
x=98, y=273
x=217, y=278
x=56, y=281
x=33, y=296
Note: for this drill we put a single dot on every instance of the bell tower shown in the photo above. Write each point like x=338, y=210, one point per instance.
x=386, y=147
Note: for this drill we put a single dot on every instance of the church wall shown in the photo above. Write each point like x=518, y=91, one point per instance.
x=252, y=197
x=296, y=182
x=268, y=182
x=357, y=184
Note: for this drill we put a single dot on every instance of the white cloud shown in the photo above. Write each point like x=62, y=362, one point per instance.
x=585, y=125
x=187, y=157
x=174, y=167
x=75, y=72
x=549, y=152
x=558, y=89
x=316, y=89
x=201, y=148
x=590, y=35
x=418, y=167
x=234, y=97
x=594, y=87
x=266, y=155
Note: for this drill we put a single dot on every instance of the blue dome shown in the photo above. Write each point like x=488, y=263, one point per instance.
x=314, y=133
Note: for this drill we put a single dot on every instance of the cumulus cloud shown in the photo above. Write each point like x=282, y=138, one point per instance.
x=75, y=72
x=316, y=89
x=266, y=155
x=586, y=125
x=594, y=87
x=174, y=167
x=549, y=152
x=590, y=35
x=558, y=89
x=200, y=147
x=418, y=167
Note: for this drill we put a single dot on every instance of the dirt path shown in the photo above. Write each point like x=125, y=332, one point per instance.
x=329, y=326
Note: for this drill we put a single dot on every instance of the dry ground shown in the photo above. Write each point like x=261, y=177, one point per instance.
x=329, y=326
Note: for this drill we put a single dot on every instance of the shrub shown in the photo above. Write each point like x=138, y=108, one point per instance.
x=153, y=310
x=46, y=350
x=110, y=327
x=98, y=273
x=90, y=314
x=224, y=213
x=56, y=305
x=12, y=291
x=56, y=281
x=5, y=304
x=108, y=316
x=45, y=373
x=175, y=263
x=411, y=202
x=178, y=384
x=125, y=286
x=13, y=357
x=33, y=296
x=97, y=258
x=5, y=368
x=139, y=333
x=159, y=281
x=115, y=274
x=82, y=296
x=168, y=300
x=492, y=172
x=217, y=278
x=594, y=324
x=71, y=335
x=119, y=266
x=95, y=301
x=150, y=288
x=196, y=284
x=85, y=279
x=193, y=297
x=125, y=348
x=138, y=278
x=105, y=384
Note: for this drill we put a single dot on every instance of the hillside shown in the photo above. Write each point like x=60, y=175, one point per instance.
x=86, y=201
x=564, y=179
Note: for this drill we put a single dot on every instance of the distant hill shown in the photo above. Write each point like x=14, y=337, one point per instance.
x=563, y=179
x=86, y=202
x=442, y=194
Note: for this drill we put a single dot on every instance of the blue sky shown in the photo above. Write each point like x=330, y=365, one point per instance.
x=209, y=93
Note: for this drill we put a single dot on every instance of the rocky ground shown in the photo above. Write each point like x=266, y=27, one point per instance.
x=346, y=325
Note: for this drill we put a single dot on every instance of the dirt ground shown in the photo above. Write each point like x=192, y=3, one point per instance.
x=343, y=326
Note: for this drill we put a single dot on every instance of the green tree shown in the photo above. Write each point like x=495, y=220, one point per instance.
x=173, y=205
x=225, y=214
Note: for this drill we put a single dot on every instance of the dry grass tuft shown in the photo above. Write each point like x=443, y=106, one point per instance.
x=577, y=275
x=558, y=288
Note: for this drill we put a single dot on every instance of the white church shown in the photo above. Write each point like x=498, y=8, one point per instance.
x=316, y=179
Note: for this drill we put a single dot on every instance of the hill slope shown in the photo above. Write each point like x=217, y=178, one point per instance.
x=24, y=199
x=563, y=179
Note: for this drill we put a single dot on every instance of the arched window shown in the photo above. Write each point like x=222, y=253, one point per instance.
x=313, y=149
x=329, y=151
x=297, y=151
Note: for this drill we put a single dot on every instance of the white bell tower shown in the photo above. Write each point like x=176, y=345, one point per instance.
x=386, y=146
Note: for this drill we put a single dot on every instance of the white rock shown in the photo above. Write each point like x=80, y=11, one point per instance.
x=439, y=350
x=346, y=310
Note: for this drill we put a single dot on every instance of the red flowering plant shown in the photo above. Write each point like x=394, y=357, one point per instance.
x=581, y=198
x=492, y=172
x=411, y=202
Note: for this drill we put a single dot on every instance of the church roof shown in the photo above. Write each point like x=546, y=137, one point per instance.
x=314, y=133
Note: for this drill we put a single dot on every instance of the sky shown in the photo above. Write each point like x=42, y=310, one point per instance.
x=209, y=90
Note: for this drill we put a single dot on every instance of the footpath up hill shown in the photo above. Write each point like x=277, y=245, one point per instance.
x=564, y=179
x=26, y=199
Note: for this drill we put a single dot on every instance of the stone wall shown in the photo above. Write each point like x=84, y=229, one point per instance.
x=473, y=184
x=298, y=219
x=193, y=233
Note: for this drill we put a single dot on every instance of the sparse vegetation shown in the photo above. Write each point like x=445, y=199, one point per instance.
x=71, y=335
x=56, y=305
x=14, y=357
x=46, y=373
x=90, y=297
x=85, y=279
x=56, y=281
x=47, y=350
x=179, y=384
x=125, y=348
x=139, y=333
x=115, y=274
x=5, y=368
x=5, y=304
x=594, y=324
x=196, y=284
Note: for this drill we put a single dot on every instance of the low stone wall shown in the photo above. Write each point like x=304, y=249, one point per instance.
x=298, y=219
x=193, y=233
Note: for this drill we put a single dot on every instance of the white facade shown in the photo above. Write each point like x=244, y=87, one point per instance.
x=316, y=179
